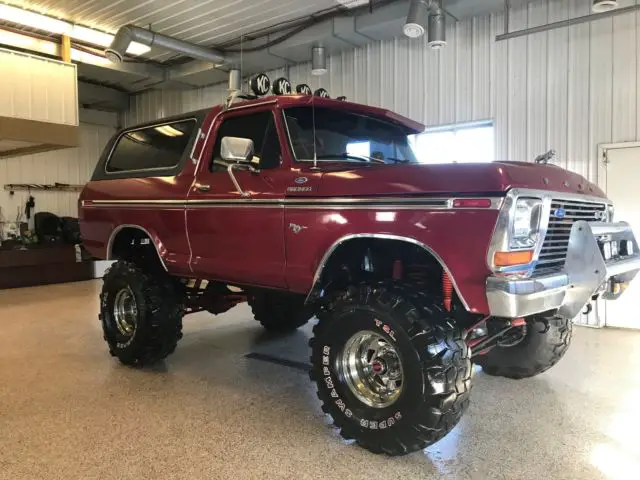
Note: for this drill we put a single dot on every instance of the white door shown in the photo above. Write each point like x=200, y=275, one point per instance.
x=623, y=188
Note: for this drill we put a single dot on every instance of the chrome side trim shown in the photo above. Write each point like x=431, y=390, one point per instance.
x=138, y=227
x=380, y=236
x=302, y=202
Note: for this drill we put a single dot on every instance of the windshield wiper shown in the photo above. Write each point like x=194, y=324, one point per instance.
x=398, y=160
x=349, y=156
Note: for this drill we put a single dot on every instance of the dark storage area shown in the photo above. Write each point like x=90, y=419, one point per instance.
x=42, y=265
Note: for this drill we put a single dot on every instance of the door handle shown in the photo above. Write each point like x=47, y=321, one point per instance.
x=203, y=188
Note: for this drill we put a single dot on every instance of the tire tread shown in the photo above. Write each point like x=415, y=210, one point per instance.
x=164, y=313
x=427, y=325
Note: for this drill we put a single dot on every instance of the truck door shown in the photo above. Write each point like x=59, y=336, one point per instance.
x=234, y=237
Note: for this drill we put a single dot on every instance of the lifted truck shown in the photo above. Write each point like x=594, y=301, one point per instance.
x=306, y=206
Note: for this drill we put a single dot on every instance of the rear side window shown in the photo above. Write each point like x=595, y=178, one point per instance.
x=151, y=148
x=260, y=128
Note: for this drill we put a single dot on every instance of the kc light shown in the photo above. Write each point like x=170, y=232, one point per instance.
x=526, y=223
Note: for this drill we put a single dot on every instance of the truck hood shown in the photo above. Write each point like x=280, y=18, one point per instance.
x=460, y=178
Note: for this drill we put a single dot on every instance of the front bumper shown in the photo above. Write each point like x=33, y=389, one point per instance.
x=585, y=273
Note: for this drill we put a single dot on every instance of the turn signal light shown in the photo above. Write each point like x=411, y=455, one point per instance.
x=508, y=259
x=472, y=203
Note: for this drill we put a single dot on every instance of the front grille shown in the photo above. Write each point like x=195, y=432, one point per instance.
x=554, y=249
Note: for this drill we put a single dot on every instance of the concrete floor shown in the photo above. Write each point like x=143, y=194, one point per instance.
x=68, y=410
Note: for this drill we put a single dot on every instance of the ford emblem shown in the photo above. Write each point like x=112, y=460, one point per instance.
x=560, y=213
x=301, y=180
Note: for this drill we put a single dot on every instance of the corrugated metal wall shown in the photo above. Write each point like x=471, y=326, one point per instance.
x=72, y=165
x=568, y=89
x=38, y=88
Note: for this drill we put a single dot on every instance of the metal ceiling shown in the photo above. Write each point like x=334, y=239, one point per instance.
x=204, y=22
x=223, y=23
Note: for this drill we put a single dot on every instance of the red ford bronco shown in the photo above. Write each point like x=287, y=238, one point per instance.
x=304, y=207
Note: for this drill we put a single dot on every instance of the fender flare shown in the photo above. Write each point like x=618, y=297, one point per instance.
x=119, y=228
x=314, y=293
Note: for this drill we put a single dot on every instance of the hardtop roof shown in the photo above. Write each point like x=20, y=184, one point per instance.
x=287, y=101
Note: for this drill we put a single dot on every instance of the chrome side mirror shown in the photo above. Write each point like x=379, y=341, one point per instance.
x=235, y=149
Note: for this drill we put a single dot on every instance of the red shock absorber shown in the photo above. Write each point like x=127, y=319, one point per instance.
x=447, y=290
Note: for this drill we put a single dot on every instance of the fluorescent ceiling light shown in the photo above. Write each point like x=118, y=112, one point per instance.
x=28, y=43
x=60, y=27
x=95, y=37
x=169, y=131
x=34, y=20
x=352, y=3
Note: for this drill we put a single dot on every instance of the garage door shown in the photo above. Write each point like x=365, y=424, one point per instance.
x=623, y=188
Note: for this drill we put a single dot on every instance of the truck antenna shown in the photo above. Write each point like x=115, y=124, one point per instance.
x=313, y=121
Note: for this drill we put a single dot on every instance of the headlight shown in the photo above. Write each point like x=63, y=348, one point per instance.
x=526, y=223
x=611, y=210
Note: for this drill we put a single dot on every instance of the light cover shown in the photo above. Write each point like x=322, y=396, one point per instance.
x=526, y=223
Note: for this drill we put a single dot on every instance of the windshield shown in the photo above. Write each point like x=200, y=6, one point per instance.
x=342, y=136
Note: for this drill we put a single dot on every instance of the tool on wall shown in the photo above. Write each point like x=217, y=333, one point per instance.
x=29, y=206
x=56, y=187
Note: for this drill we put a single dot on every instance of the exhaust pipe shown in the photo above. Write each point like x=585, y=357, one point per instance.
x=130, y=33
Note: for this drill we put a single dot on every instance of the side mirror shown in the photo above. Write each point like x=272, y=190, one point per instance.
x=235, y=149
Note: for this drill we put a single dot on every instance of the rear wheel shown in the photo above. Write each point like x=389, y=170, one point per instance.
x=141, y=315
x=391, y=369
x=542, y=344
x=279, y=312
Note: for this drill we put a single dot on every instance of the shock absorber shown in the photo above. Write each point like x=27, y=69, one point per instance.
x=447, y=290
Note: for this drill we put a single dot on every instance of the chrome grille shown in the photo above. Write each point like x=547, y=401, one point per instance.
x=554, y=249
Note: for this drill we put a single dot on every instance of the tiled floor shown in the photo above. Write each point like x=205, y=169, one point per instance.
x=68, y=410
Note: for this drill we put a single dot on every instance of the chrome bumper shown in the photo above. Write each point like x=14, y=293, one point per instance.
x=585, y=273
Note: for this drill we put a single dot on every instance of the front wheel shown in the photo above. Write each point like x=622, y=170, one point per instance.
x=543, y=343
x=141, y=314
x=391, y=369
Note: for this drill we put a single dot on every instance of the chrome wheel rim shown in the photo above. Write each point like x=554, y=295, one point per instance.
x=371, y=368
x=125, y=312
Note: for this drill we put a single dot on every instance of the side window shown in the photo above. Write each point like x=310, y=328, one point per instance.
x=258, y=127
x=156, y=147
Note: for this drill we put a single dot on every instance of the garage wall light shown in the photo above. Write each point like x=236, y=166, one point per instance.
x=60, y=27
